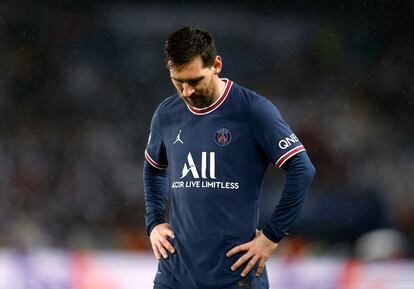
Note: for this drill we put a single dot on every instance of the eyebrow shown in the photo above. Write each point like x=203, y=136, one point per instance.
x=188, y=79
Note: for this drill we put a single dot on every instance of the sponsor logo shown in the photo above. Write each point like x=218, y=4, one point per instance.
x=190, y=166
x=222, y=137
x=178, y=138
x=288, y=141
x=207, y=172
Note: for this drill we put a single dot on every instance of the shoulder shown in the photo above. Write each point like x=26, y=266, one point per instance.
x=169, y=103
x=244, y=94
x=253, y=102
x=163, y=109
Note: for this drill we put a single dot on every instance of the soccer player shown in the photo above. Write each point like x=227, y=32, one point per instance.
x=209, y=146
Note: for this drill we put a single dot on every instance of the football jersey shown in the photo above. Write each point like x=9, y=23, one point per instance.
x=216, y=158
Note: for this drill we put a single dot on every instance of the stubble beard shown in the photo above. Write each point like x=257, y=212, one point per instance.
x=201, y=100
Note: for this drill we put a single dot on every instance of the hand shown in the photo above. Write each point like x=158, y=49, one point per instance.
x=258, y=249
x=159, y=241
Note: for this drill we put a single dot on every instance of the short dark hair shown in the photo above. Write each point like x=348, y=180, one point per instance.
x=186, y=44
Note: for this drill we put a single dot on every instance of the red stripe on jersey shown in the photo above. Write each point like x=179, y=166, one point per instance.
x=219, y=101
x=288, y=155
x=154, y=163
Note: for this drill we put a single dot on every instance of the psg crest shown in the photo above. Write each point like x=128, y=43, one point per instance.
x=222, y=137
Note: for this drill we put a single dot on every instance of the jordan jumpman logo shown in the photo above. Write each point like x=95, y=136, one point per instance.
x=178, y=138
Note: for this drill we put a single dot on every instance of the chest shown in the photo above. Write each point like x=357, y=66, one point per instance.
x=208, y=141
x=211, y=133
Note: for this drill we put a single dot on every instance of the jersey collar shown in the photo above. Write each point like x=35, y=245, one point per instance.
x=217, y=103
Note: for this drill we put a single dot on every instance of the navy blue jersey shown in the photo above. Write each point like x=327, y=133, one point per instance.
x=216, y=159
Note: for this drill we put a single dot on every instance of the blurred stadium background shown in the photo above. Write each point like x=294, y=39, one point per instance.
x=78, y=86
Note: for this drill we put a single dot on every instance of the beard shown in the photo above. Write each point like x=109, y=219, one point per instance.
x=200, y=99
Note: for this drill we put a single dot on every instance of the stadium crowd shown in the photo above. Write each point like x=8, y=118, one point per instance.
x=80, y=82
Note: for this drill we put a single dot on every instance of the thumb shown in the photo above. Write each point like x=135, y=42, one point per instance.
x=170, y=233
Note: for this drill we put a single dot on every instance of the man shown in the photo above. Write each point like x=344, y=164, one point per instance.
x=217, y=139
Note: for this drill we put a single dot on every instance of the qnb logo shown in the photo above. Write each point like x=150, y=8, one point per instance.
x=190, y=166
x=287, y=141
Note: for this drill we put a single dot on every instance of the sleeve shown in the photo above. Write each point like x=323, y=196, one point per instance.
x=155, y=152
x=156, y=196
x=299, y=175
x=272, y=133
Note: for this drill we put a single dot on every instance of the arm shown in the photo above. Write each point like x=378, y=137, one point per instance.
x=299, y=176
x=156, y=196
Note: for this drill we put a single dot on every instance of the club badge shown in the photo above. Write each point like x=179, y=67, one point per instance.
x=222, y=137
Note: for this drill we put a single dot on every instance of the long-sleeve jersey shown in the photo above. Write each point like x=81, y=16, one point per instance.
x=215, y=159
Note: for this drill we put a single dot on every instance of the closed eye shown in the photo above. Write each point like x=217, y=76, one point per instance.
x=192, y=81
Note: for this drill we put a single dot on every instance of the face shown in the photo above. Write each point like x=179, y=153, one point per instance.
x=195, y=83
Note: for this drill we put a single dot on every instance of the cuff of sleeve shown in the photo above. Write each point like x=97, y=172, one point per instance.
x=273, y=234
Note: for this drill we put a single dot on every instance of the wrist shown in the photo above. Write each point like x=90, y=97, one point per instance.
x=273, y=236
x=267, y=240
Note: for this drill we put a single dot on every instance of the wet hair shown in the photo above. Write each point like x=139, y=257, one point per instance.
x=187, y=43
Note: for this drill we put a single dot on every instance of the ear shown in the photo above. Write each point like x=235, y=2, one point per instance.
x=218, y=64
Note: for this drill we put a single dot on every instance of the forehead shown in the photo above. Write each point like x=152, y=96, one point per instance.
x=189, y=70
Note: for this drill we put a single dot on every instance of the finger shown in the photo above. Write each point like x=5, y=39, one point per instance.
x=241, y=260
x=249, y=266
x=169, y=233
x=166, y=244
x=261, y=266
x=237, y=249
x=162, y=250
x=156, y=253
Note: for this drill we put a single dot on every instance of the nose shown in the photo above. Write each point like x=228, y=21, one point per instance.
x=187, y=90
